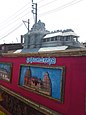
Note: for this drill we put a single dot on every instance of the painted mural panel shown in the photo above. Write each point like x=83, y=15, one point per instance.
x=47, y=81
x=5, y=71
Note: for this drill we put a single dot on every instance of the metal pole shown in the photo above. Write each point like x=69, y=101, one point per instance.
x=34, y=11
x=36, y=14
x=28, y=25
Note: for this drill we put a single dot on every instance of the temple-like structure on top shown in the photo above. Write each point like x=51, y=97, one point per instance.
x=39, y=39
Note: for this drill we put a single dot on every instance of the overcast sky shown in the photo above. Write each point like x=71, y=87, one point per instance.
x=56, y=14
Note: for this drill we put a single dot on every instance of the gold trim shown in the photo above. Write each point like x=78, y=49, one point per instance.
x=69, y=52
x=36, y=106
x=5, y=112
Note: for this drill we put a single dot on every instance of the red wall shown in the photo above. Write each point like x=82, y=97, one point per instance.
x=74, y=88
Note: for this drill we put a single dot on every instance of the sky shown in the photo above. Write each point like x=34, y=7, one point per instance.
x=56, y=14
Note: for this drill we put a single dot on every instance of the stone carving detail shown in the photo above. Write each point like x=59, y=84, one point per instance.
x=40, y=26
x=33, y=39
x=39, y=37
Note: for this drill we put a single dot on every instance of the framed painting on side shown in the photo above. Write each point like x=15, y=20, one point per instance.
x=48, y=81
x=5, y=71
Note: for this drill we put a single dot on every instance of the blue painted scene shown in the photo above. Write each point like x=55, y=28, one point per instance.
x=5, y=71
x=44, y=80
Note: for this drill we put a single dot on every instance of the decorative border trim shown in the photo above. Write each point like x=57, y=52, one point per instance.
x=36, y=106
x=69, y=52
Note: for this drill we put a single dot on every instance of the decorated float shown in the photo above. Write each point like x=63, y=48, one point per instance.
x=46, y=77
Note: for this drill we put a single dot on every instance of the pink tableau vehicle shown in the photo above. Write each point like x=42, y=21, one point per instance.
x=47, y=76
